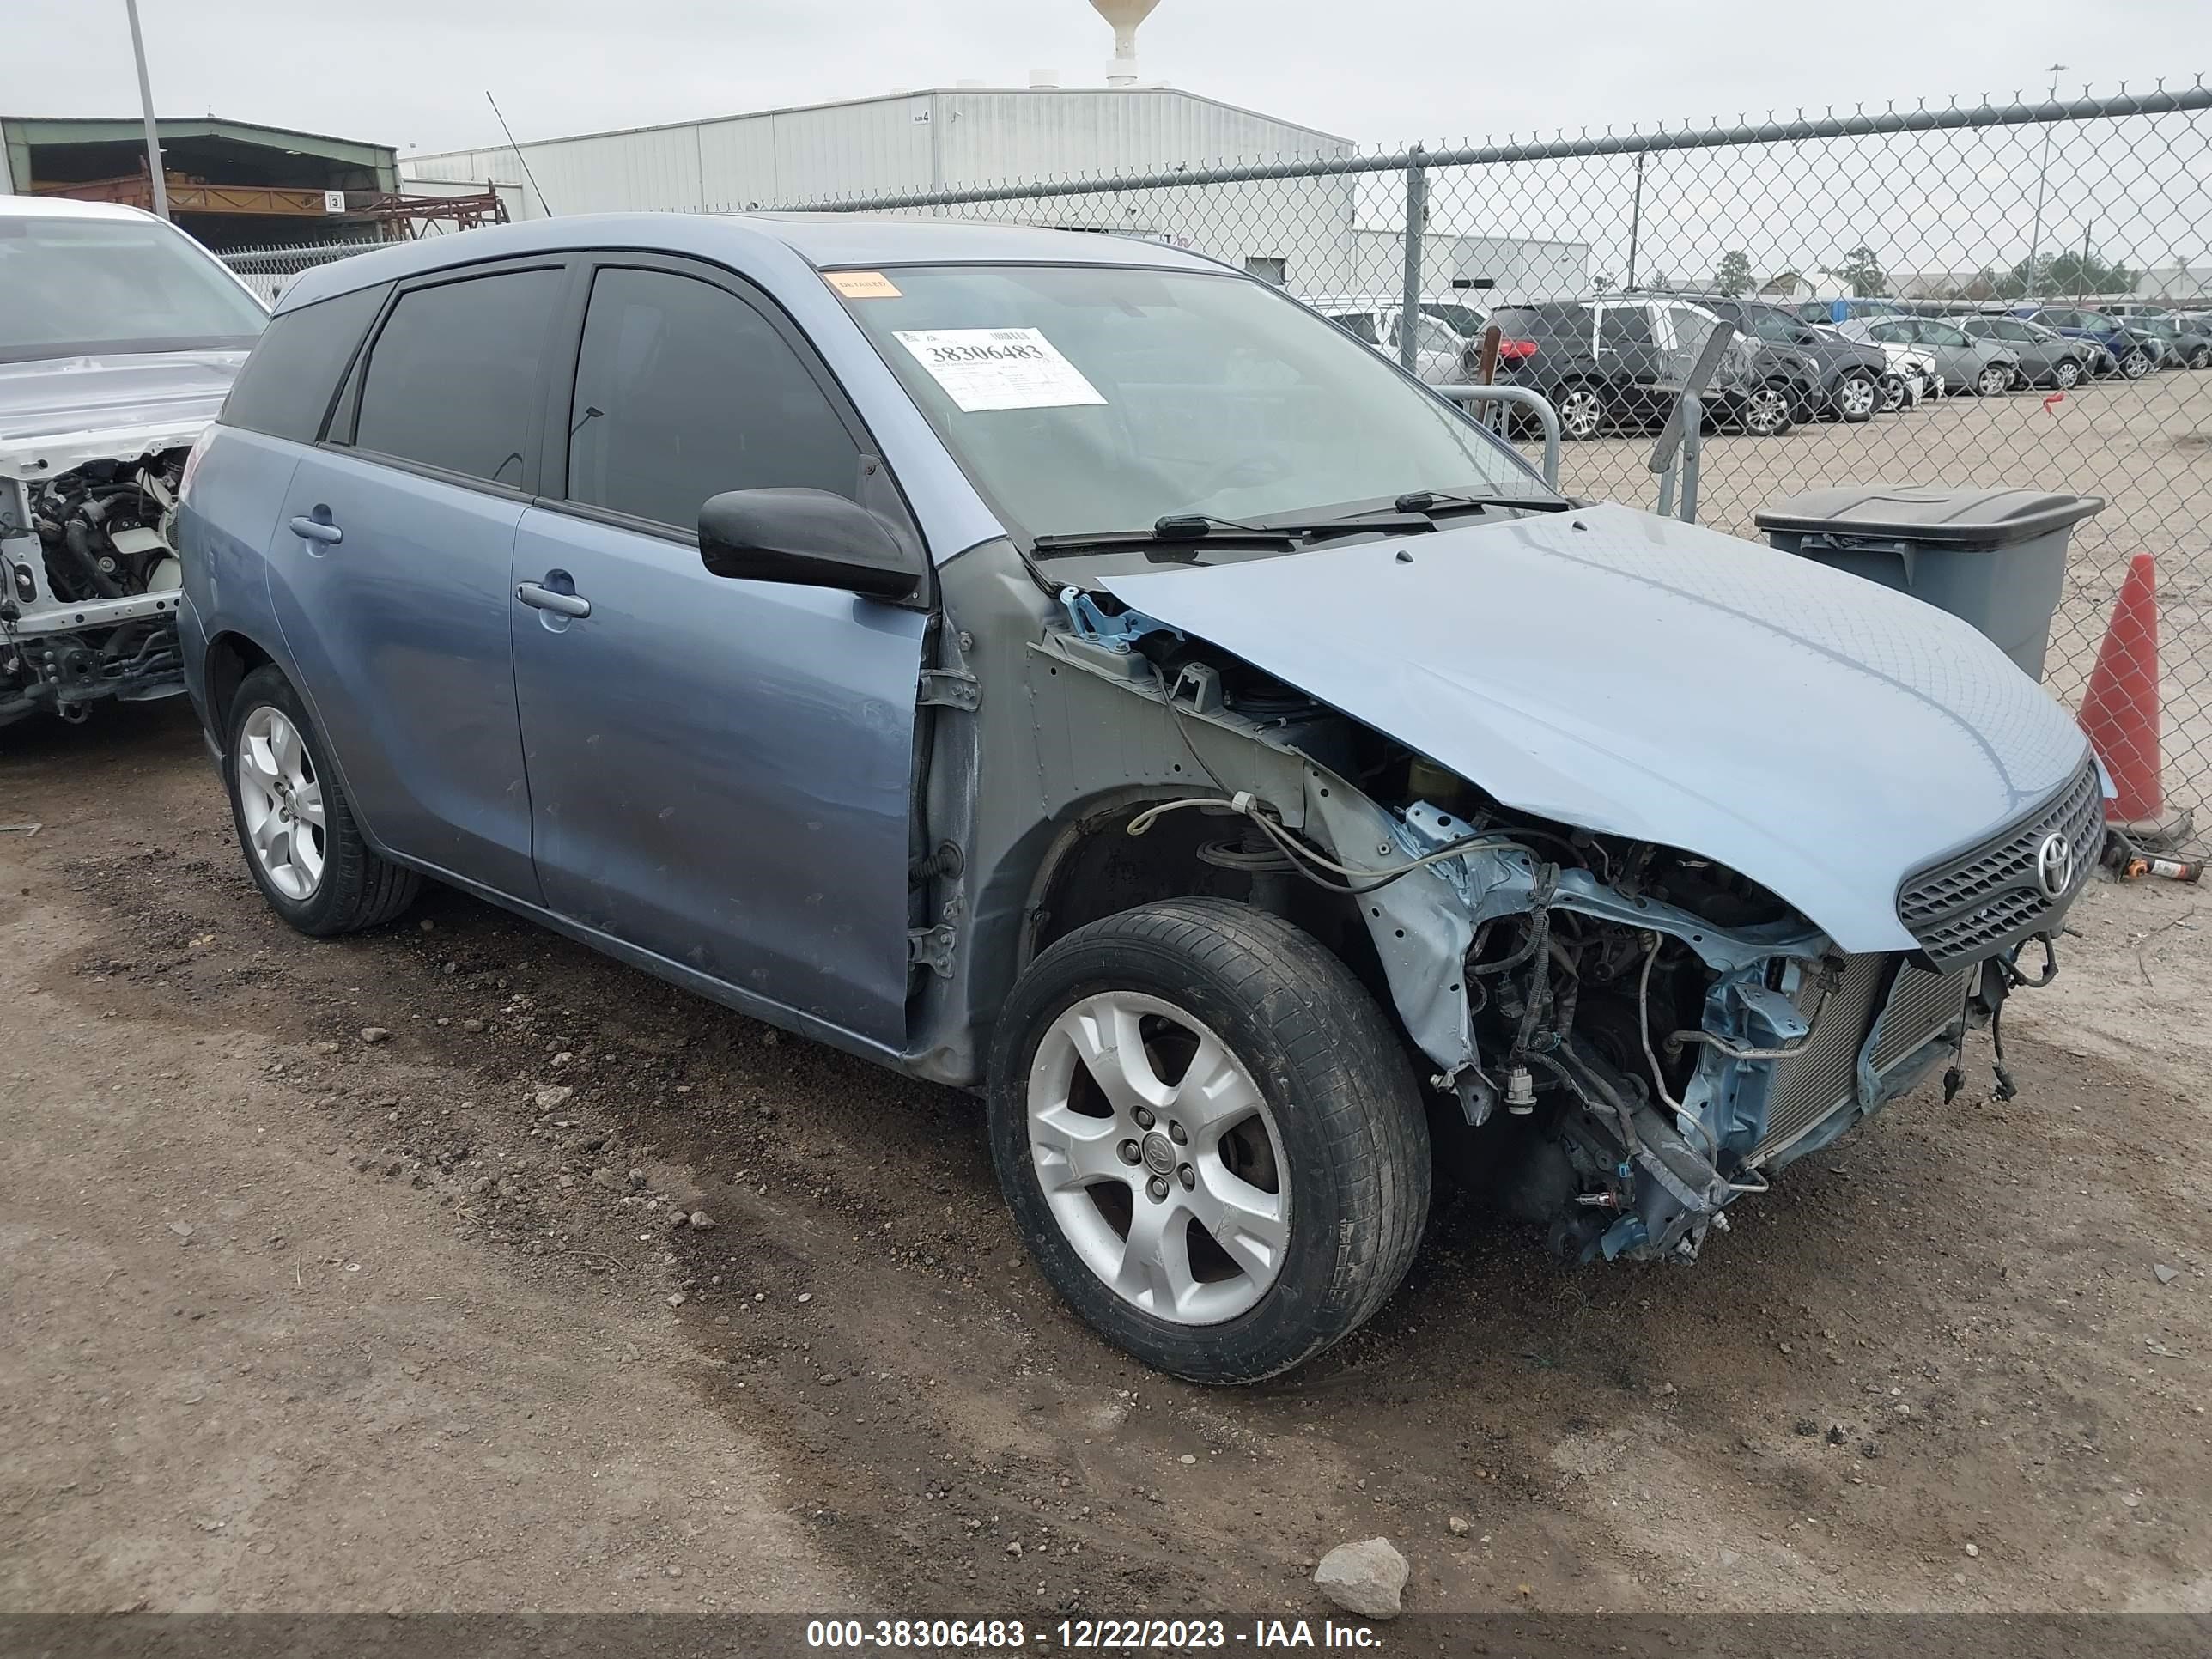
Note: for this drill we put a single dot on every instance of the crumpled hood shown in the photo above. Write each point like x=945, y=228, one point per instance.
x=59, y=413
x=1637, y=675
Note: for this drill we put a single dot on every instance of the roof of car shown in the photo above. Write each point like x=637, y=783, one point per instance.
x=824, y=240
x=61, y=207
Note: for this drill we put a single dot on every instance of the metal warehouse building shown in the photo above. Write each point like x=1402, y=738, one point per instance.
x=1317, y=235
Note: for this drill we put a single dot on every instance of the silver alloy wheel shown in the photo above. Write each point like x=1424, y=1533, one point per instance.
x=1892, y=393
x=1175, y=1194
x=1582, y=412
x=1996, y=380
x=1766, y=412
x=2136, y=365
x=281, y=801
x=2067, y=376
x=1857, y=396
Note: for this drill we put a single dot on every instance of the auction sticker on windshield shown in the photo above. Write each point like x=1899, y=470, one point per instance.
x=985, y=368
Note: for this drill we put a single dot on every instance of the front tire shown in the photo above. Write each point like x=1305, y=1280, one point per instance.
x=1279, y=1178
x=1894, y=393
x=2067, y=376
x=302, y=847
x=2134, y=365
x=1994, y=381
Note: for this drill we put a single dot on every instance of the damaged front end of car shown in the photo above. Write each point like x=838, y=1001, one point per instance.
x=1642, y=1036
x=90, y=576
x=1713, y=952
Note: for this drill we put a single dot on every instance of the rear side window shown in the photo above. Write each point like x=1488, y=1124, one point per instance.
x=684, y=390
x=1626, y=325
x=1359, y=324
x=286, y=384
x=453, y=377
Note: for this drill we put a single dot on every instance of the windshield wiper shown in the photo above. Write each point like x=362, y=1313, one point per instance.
x=1175, y=528
x=1430, y=500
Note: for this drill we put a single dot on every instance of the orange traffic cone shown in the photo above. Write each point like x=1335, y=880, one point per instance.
x=2120, y=711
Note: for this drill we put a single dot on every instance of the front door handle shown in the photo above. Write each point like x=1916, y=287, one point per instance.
x=317, y=529
x=545, y=599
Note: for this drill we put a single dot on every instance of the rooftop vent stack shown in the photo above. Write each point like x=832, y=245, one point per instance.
x=1124, y=15
x=1043, y=80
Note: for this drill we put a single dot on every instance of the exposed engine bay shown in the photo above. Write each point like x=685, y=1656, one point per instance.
x=1622, y=1037
x=89, y=583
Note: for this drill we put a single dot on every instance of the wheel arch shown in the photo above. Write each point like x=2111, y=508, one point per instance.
x=230, y=657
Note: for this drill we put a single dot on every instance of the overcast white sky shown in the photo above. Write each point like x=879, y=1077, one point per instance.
x=412, y=73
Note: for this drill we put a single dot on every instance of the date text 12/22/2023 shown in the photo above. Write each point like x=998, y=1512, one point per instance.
x=984, y=1636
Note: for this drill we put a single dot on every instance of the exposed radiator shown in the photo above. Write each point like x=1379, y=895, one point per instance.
x=1821, y=1077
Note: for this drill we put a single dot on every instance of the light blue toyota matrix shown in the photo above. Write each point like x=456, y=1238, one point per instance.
x=1064, y=667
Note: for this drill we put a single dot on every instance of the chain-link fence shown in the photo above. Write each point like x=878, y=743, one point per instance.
x=1993, y=295
x=270, y=270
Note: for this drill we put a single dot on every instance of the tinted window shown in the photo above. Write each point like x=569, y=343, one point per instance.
x=1624, y=325
x=1360, y=324
x=684, y=390
x=453, y=378
x=286, y=386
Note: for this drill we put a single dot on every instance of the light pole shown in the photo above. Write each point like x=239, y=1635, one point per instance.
x=2042, y=174
x=146, y=103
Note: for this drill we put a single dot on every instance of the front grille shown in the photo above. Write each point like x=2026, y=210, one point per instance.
x=1974, y=906
x=1823, y=1074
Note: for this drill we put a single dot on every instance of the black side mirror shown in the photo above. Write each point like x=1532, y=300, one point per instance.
x=808, y=537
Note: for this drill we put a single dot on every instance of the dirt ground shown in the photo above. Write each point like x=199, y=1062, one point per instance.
x=361, y=1276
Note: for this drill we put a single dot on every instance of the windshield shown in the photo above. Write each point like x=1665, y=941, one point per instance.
x=1099, y=398
x=77, y=285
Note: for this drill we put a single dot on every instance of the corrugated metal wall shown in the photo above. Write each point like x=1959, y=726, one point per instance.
x=875, y=146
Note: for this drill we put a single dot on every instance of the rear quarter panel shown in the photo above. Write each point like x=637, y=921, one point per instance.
x=222, y=534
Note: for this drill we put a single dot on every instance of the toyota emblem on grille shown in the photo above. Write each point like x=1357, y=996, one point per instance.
x=2054, y=866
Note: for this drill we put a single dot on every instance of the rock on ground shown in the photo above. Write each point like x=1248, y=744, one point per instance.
x=1366, y=1578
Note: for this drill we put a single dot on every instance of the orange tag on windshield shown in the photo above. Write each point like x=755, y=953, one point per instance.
x=861, y=284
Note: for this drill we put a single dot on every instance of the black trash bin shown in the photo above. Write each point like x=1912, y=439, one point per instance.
x=1995, y=558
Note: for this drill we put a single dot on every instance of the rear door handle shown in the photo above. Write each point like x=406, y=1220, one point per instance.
x=317, y=530
x=545, y=599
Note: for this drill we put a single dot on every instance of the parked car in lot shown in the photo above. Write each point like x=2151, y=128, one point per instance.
x=1065, y=668
x=2046, y=357
x=1985, y=367
x=1848, y=374
x=1441, y=356
x=2182, y=343
x=118, y=338
x=2129, y=353
x=1622, y=363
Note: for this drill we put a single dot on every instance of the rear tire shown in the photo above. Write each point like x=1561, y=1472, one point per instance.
x=1765, y=411
x=1994, y=381
x=321, y=876
x=1857, y=397
x=2067, y=376
x=1893, y=393
x=1266, y=1214
x=1582, y=412
x=2134, y=365
x=2200, y=358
